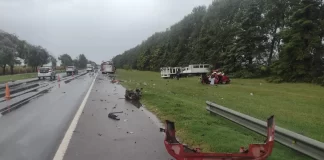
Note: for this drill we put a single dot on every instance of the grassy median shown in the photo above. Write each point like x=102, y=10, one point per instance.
x=9, y=78
x=297, y=107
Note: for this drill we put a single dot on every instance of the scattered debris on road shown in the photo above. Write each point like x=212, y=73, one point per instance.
x=113, y=116
x=162, y=130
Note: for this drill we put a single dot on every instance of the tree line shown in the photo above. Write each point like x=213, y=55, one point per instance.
x=12, y=48
x=80, y=62
x=279, y=39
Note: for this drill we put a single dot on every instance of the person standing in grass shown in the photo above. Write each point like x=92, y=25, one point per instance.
x=178, y=74
x=212, y=79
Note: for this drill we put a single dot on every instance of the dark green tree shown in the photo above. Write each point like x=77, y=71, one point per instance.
x=53, y=60
x=246, y=38
x=83, y=61
x=37, y=57
x=301, y=41
x=66, y=60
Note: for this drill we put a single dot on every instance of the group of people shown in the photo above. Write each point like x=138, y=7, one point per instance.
x=213, y=78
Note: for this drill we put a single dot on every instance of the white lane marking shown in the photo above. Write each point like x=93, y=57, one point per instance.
x=68, y=135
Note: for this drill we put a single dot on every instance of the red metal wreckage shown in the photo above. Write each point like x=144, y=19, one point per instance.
x=254, y=152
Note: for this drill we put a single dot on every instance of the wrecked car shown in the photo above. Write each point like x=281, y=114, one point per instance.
x=255, y=151
x=133, y=94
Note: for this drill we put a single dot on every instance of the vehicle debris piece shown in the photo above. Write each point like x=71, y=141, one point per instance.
x=113, y=80
x=113, y=116
x=133, y=94
x=254, y=152
x=162, y=130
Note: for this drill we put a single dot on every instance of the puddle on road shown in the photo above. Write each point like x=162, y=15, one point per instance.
x=68, y=81
x=34, y=90
x=149, y=114
x=152, y=117
x=24, y=102
x=10, y=109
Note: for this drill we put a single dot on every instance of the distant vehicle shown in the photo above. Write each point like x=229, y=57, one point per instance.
x=46, y=71
x=71, y=70
x=90, y=68
x=107, y=67
x=191, y=70
x=196, y=69
x=169, y=72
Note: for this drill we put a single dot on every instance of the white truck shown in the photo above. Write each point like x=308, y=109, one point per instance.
x=169, y=72
x=107, y=67
x=196, y=69
x=90, y=68
x=71, y=70
x=192, y=69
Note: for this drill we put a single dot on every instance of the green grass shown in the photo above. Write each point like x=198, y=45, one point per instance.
x=8, y=78
x=297, y=107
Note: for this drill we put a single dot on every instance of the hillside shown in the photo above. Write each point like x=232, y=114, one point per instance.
x=247, y=38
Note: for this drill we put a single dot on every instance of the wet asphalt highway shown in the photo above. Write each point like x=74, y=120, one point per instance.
x=135, y=136
x=35, y=130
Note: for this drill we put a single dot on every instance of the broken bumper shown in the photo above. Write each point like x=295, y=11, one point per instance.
x=254, y=152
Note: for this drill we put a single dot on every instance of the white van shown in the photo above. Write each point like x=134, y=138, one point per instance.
x=46, y=71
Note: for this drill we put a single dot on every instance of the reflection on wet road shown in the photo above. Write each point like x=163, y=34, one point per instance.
x=35, y=129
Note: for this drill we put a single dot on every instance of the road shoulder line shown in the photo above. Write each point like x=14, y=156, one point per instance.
x=59, y=155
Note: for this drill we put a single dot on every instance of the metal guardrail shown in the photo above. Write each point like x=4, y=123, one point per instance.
x=303, y=144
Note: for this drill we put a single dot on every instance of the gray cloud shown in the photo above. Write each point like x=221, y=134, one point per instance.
x=100, y=29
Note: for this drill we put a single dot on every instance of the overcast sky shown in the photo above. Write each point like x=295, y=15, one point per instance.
x=100, y=29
